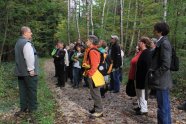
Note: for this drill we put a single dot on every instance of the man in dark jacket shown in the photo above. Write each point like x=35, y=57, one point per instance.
x=115, y=53
x=160, y=76
x=26, y=70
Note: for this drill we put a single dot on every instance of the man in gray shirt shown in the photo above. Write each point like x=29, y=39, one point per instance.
x=26, y=70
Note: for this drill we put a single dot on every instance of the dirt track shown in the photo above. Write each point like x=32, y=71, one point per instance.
x=73, y=105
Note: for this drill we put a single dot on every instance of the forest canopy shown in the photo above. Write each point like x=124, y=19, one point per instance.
x=70, y=20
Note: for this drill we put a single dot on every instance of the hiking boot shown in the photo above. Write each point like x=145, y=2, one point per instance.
x=182, y=106
x=92, y=111
x=96, y=115
x=20, y=114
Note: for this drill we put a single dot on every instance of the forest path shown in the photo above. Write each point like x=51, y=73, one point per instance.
x=73, y=105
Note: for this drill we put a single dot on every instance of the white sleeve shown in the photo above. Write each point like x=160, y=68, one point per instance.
x=66, y=58
x=28, y=53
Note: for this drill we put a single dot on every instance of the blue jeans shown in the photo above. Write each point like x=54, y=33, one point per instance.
x=120, y=75
x=115, y=80
x=76, y=76
x=164, y=113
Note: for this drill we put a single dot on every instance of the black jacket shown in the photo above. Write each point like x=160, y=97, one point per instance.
x=160, y=77
x=142, y=68
x=116, y=55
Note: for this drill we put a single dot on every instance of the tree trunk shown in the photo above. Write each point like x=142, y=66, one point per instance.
x=140, y=19
x=115, y=9
x=121, y=22
x=5, y=33
x=102, y=18
x=126, y=32
x=91, y=18
x=77, y=20
x=134, y=28
x=68, y=22
x=165, y=10
x=88, y=16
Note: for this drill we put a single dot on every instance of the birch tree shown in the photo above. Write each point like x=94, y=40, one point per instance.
x=165, y=10
x=77, y=15
x=88, y=16
x=68, y=22
x=115, y=9
x=102, y=17
x=127, y=26
x=91, y=18
x=134, y=27
x=121, y=22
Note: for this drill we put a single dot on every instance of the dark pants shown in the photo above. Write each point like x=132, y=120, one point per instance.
x=164, y=113
x=76, y=76
x=96, y=96
x=56, y=65
x=61, y=75
x=28, y=92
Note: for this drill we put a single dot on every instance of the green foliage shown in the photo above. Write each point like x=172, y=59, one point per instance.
x=8, y=87
x=9, y=98
x=179, y=78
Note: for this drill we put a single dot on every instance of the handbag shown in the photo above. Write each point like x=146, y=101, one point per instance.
x=130, y=88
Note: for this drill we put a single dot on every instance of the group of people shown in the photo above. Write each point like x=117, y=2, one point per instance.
x=81, y=56
x=149, y=69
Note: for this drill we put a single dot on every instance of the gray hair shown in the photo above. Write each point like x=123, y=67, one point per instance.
x=24, y=29
x=93, y=39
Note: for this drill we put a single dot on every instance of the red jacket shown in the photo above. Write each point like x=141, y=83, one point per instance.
x=93, y=60
x=133, y=62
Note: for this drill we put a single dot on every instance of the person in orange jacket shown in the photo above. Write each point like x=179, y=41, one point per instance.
x=92, y=60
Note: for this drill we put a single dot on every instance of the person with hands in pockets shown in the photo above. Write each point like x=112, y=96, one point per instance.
x=26, y=70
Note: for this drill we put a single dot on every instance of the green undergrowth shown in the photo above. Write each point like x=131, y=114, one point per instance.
x=179, y=77
x=9, y=96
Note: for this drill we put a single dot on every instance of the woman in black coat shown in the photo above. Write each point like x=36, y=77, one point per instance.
x=143, y=65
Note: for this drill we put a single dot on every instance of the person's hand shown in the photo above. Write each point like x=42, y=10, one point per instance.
x=32, y=73
x=75, y=60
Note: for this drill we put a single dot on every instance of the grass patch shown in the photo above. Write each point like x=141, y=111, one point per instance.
x=9, y=97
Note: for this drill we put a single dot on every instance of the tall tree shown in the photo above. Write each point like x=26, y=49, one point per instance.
x=68, y=22
x=77, y=18
x=134, y=27
x=121, y=22
x=127, y=26
x=115, y=10
x=165, y=10
x=91, y=17
x=102, y=17
x=88, y=17
x=5, y=31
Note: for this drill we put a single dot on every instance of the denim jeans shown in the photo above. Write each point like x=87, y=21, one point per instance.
x=115, y=81
x=76, y=76
x=164, y=113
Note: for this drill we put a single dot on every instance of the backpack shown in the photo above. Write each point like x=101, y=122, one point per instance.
x=174, y=61
x=105, y=65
